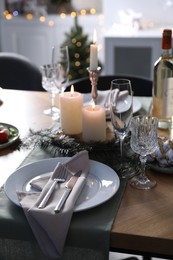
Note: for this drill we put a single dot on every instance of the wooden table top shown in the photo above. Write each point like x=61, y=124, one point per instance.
x=144, y=222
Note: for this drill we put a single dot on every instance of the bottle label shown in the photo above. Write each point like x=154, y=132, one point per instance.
x=168, y=97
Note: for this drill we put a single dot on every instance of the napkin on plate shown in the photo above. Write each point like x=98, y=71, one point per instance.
x=49, y=228
x=163, y=154
x=103, y=98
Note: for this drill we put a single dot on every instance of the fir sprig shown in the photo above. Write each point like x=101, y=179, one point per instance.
x=57, y=142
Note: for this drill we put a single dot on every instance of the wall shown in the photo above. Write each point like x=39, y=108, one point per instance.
x=158, y=11
x=34, y=39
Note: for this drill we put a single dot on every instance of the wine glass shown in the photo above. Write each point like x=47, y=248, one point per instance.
x=49, y=84
x=121, y=110
x=60, y=60
x=55, y=77
x=144, y=141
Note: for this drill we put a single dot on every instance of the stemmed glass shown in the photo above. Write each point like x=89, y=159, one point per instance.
x=144, y=141
x=49, y=84
x=121, y=110
x=55, y=77
x=61, y=61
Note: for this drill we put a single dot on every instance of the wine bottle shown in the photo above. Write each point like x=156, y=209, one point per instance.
x=162, y=105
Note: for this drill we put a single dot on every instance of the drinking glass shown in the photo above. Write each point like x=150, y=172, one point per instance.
x=121, y=110
x=60, y=60
x=144, y=141
x=49, y=84
x=55, y=77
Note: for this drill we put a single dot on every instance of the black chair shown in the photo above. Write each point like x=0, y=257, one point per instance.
x=18, y=72
x=141, y=86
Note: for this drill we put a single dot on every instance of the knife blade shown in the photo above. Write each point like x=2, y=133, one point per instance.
x=69, y=186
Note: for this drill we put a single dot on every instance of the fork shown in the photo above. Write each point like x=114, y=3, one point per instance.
x=61, y=178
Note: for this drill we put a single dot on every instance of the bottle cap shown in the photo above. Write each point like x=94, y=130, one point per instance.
x=167, y=39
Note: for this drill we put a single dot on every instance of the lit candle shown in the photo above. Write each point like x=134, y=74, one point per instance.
x=94, y=53
x=94, y=123
x=71, y=112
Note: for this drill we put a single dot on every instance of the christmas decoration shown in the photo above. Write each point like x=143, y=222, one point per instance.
x=56, y=143
x=79, y=51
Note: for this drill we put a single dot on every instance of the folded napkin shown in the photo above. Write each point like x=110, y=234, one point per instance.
x=50, y=228
x=103, y=99
x=163, y=154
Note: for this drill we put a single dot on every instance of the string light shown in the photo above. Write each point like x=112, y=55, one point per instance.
x=77, y=63
x=92, y=11
x=15, y=13
x=63, y=15
x=78, y=44
x=83, y=12
x=42, y=19
x=73, y=40
x=29, y=16
x=5, y=12
x=51, y=23
x=73, y=14
x=77, y=56
x=9, y=16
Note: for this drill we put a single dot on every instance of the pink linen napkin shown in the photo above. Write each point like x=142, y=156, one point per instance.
x=49, y=228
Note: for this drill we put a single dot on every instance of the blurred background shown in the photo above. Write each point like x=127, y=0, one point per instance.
x=128, y=32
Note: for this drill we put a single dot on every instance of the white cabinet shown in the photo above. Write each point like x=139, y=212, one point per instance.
x=132, y=54
x=34, y=39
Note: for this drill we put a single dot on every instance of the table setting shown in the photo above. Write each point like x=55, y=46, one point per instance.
x=42, y=218
x=88, y=207
x=74, y=178
x=95, y=218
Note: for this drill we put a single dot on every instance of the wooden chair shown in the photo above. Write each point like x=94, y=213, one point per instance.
x=140, y=86
x=18, y=72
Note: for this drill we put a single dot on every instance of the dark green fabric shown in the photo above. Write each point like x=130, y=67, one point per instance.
x=88, y=229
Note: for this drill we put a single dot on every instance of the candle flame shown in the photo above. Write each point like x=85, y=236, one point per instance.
x=72, y=90
x=94, y=37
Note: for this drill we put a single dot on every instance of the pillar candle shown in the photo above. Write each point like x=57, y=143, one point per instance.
x=94, y=53
x=94, y=123
x=71, y=112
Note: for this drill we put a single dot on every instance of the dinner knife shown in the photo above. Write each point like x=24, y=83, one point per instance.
x=69, y=186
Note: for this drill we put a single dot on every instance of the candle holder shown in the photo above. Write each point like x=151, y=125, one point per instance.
x=93, y=75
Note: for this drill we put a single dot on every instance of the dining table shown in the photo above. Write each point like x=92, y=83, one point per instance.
x=143, y=223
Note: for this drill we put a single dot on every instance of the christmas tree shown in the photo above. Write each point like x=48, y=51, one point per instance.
x=79, y=51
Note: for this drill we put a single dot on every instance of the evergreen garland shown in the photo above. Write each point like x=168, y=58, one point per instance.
x=56, y=142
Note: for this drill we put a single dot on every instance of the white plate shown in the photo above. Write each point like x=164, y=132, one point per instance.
x=12, y=139
x=136, y=103
x=155, y=167
x=102, y=182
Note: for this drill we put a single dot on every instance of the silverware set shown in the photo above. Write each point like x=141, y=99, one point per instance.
x=69, y=186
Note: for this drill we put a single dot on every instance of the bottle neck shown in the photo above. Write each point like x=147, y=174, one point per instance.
x=166, y=53
x=167, y=44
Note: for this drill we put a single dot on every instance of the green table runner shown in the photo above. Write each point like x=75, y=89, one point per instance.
x=88, y=229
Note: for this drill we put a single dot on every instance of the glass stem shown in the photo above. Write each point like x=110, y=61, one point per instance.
x=52, y=98
x=122, y=148
x=143, y=160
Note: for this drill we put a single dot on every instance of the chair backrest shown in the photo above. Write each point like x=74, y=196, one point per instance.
x=18, y=72
x=140, y=86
